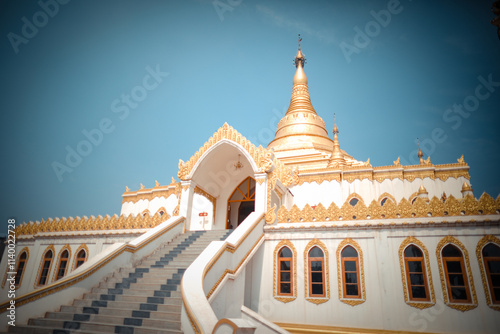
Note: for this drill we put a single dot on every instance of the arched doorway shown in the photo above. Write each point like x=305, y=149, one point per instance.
x=241, y=203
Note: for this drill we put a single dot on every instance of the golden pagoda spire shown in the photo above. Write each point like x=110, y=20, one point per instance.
x=420, y=154
x=301, y=127
x=337, y=157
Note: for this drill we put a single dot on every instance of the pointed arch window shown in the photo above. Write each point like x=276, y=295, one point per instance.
x=491, y=261
x=316, y=265
x=81, y=257
x=285, y=272
x=45, y=267
x=416, y=276
x=350, y=273
x=21, y=265
x=62, y=266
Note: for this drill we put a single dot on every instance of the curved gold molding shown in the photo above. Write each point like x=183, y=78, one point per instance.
x=280, y=245
x=355, y=245
x=467, y=206
x=148, y=194
x=322, y=246
x=461, y=307
x=37, y=277
x=388, y=196
x=414, y=241
x=487, y=239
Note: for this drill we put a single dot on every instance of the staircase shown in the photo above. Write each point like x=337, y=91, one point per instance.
x=145, y=299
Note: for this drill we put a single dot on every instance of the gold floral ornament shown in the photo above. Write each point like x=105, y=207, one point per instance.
x=271, y=215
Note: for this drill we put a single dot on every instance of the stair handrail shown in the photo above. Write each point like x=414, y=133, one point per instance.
x=196, y=307
x=100, y=260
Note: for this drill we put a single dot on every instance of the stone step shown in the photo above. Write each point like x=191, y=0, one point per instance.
x=126, y=310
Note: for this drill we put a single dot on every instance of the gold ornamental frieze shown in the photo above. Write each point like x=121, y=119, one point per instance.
x=149, y=194
x=99, y=223
x=261, y=156
x=420, y=208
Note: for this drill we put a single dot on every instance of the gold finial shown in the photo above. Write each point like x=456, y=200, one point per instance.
x=173, y=180
x=420, y=154
x=461, y=160
x=335, y=129
x=127, y=189
x=157, y=183
x=466, y=187
x=300, y=40
x=397, y=162
x=142, y=186
x=422, y=190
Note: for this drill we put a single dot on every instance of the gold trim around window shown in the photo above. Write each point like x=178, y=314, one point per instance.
x=40, y=267
x=277, y=296
x=326, y=276
x=468, y=274
x=353, y=301
x=59, y=260
x=428, y=275
x=487, y=239
x=75, y=260
x=24, y=250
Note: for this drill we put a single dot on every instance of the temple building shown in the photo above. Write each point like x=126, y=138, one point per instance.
x=296, y=237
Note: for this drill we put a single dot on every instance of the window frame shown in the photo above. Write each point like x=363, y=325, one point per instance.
x=353, y=301
x=358, y=276
x=421, y=259
x=42, y=267
x=309, y=267
x=76, y=260
x=60, y=262
x=291, y=282
x=471, y=301
x=463, y=272
x=277, y=249
x=316, y=299
x=23, y=270
x=486, y=280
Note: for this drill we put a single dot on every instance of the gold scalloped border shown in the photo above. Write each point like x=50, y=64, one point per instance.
x=414, y=241
x=461, y=307
x=357, y=247
x=487, y=239
x=281, y=244
x=320, y=244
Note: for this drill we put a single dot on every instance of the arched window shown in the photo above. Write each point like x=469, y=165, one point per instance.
x=45, y=267
x=81, y=257
x=63, y=264
x=455, y=275
x=350, y=273
x=491, y=258
x=285, y=272
x=21, y=264
x=316, y=265
x=416, y=276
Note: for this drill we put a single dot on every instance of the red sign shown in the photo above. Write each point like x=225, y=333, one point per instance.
x=203, y=214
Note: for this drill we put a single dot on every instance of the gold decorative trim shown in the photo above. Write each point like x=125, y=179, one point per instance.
x=91, y=223
x=461, y=307
x=280, y=245
x=487, y=239
x=271, y=215
x=149, y=194
x=322, y=246
x=414, y=241
x=75, y=259
x=232, y=271
x=64, y=283
x=421, y=208
x=37, y=277
x=260, y=180
x=388, y=196
x=355, y=245
x=260, y=155
x=54, y=274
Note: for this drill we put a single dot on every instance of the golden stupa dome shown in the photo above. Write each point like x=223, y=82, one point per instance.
x=301, y=127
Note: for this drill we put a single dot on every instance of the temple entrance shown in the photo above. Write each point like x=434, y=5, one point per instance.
x=241, y=203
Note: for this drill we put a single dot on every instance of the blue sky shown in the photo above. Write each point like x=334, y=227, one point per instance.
x=68, y=69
